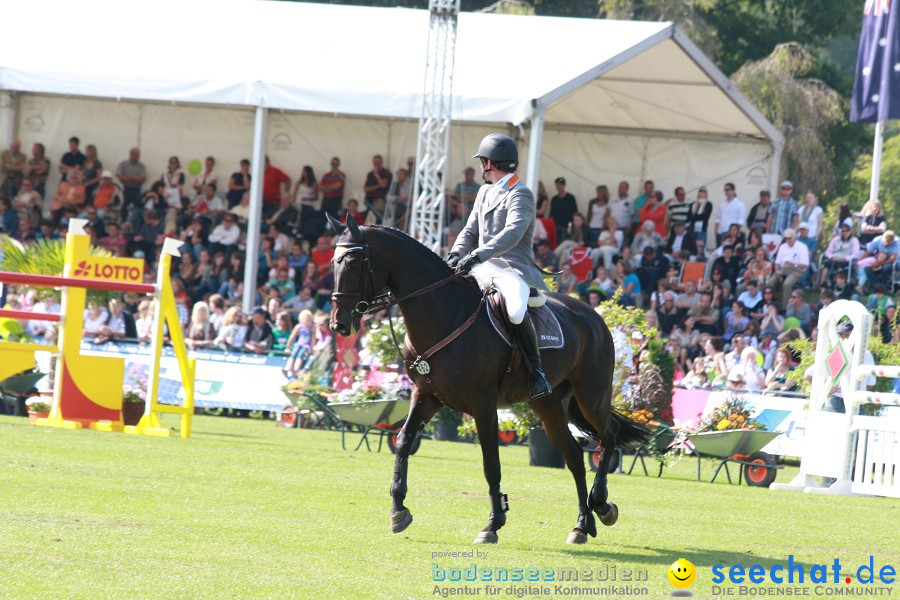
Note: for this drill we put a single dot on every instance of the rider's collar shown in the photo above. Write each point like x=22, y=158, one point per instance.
x=508, y=182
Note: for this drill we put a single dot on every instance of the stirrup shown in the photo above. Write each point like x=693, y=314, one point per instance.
x=538, y=385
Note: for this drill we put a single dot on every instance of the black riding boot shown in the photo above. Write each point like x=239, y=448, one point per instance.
x=538, y=385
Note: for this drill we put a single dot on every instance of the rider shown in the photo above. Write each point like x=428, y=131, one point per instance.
x=496, y=244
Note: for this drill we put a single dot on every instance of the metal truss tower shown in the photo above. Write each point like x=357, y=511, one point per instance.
x=433, y=147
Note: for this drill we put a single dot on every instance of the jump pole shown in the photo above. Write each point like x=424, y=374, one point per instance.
x=82, y=395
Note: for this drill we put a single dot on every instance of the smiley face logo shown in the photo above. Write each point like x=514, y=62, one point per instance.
x=682, y=573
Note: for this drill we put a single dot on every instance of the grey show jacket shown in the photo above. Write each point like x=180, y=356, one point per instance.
x=500, y=230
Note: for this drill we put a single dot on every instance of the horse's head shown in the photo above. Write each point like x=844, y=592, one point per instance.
x=355, y=285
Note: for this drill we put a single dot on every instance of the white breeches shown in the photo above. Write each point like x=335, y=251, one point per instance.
x=512, y=288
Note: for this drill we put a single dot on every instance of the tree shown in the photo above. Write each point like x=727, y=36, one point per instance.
x=688, y=15
x=731, y=32
x=889, y=184
x=804, y=110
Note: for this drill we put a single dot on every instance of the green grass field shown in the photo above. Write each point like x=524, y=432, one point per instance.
x=246, y=510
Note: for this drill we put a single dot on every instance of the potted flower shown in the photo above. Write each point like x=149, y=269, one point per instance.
x=134, y=394
x=446, y=424
x=541, y=451
x=37, y=408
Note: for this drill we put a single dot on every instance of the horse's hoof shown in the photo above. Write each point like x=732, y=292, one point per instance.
x=487, y=537
x=577, y=537
x=400, y=520
x=612, y=515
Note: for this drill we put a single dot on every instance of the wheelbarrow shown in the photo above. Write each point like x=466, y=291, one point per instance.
x=19, y=387
x=384, y=417
x=662, y=436
x=742, y=447
x=307, y=410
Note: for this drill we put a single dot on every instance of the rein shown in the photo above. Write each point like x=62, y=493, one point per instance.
x=420, y=363
x=385, y=301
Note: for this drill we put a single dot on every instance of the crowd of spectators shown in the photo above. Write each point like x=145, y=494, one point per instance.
x=761, y=281
x=726, y=288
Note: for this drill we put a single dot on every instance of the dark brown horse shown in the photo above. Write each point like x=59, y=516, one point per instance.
x=466, y=374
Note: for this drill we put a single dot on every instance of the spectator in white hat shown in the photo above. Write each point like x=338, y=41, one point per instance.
x=108, y=199
x=791, y=263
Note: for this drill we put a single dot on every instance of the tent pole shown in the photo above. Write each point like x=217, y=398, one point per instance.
x=876, y=160
x=775, y=165
x=534, y=149
x=255, y=221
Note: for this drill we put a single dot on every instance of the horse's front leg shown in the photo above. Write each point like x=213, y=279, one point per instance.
x=422, y=408
x=486, y=423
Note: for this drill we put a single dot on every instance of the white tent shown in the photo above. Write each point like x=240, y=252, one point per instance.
x=594, y=101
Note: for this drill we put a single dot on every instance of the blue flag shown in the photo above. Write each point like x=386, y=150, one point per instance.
x=876, y=91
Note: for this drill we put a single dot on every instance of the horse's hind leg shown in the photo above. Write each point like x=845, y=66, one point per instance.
x=422, y=408
x=598, y=498
x=550, y=410
x=594, y=397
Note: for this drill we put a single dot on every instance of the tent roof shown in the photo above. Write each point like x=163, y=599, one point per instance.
x=368, y=61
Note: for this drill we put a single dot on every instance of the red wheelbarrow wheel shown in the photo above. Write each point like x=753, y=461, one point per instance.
x=392, y=441
x=289, y=417
x=507, y=436
x=596, y=457
x=762, y=470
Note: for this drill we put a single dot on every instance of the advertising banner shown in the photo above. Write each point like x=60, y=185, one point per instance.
x=241, y=381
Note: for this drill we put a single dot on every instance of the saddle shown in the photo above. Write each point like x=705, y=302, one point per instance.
x=546, y=325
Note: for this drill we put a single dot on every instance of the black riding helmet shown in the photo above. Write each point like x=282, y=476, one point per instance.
x=499, y=149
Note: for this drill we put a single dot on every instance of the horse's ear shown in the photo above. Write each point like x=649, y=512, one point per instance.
x=335, y=224
x=355, y=234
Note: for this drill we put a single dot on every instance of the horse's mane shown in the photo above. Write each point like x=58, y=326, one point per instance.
x=414, y=247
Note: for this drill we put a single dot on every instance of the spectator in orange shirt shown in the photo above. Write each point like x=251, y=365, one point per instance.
x=275, y=182
x=108, y=200
x=654, y=210
x=323, y=253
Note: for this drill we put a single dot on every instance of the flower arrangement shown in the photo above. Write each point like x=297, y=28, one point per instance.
x=378, y=386
x=36, y=404
x=642, y=416
x=648, y=396
x=134, y=387
x=733, y=414
x=314, y=381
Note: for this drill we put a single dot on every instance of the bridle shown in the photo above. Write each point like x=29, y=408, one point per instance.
x=376, y=302
x=362, y=306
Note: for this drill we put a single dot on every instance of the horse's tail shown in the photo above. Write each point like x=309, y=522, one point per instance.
x=626, y=430
x=631, y=432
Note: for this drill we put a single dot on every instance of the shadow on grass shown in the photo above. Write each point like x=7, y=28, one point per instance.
x=656, y=559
